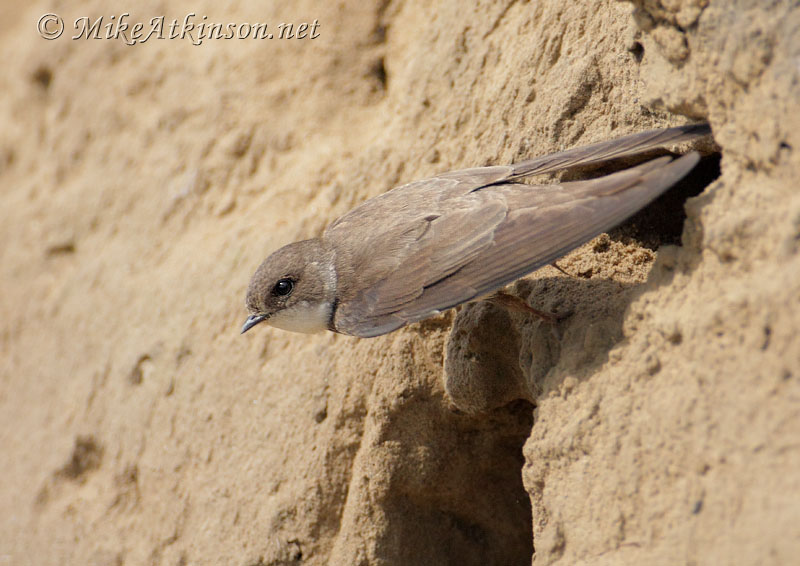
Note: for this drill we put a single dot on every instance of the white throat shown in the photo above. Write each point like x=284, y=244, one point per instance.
x=304, y=317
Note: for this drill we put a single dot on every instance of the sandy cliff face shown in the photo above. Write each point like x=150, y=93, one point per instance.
x=141, y=186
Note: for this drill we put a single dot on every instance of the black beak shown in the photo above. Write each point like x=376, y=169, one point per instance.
x=251, y=321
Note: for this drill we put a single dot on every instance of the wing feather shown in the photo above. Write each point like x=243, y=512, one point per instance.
x=480, y=241
x=606, y=150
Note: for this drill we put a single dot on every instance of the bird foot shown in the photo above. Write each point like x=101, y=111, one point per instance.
x=554, y=265
x=516, y=303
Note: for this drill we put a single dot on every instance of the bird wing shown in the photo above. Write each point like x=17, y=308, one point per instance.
x=606, y=150
x=465, y=243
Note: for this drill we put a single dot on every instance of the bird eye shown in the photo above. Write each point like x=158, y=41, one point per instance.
x=283, y=287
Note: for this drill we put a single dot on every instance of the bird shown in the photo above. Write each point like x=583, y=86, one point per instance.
x=433, y=244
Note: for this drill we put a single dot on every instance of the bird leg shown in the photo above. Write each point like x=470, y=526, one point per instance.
x=513, y=302
x=554, y=265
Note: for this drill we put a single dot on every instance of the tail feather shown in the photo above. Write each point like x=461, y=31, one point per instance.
x=604, y=151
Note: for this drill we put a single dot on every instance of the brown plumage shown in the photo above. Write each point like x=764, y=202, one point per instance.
x=430, y=245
